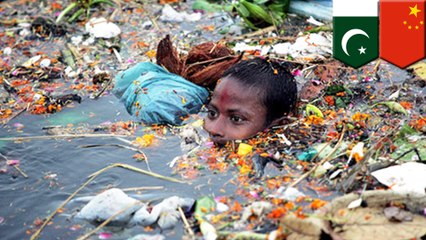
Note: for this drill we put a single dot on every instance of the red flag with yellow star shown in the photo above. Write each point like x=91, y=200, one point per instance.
x=402, y=31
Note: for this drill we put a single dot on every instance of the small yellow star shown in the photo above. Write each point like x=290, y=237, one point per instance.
x=417, y=27
x=421, y=22
x=409, y=27
x=414, y=10
x=405, y=22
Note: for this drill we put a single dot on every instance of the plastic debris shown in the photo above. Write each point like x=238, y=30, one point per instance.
x=108, y=203
x=7, y=51
x=105, y=235
x=154, y=95
x=306, y=48
x=102, y=28
x=288, y=193
x=45, y=62
x=148, y=237
x=407, y=177
x=169, y=14
x=244, y=149
x=165, y=214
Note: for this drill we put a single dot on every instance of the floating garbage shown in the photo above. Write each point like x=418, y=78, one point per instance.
x=165, y=214
x=407, y=177
x=148, y=237
x=288, y=193
x=375, y=220
x=169, y=14
x=109, y=203
x=7, y=51
x=309, y=47
x=102, y=28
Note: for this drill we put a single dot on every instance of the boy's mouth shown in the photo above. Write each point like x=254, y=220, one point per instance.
x=218, y=140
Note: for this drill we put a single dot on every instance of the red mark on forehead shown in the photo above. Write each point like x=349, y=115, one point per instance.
x=224, y=96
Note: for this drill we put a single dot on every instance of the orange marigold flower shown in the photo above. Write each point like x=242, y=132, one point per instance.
x=317, y=203
x=329, y=100
x=312, y=119
x=358, y=117
x=406, y=105
x=277, y=213
x=237, y=207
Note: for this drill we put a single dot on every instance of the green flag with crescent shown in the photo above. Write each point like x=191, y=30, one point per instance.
x=355, y=31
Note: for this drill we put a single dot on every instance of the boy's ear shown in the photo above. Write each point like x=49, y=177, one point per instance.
x=284, y=120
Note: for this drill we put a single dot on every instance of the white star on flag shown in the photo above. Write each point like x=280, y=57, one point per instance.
x=362, y=50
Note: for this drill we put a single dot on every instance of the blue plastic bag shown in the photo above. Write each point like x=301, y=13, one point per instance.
x=155, y=96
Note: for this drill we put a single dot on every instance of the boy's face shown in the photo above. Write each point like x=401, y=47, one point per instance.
x=234, y=112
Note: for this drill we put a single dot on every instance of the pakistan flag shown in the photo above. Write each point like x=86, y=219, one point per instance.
x=355, y=31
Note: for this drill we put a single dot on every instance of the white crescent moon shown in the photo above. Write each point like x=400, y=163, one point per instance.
x=348, y=35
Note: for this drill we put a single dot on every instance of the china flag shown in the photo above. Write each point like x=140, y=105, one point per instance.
x=402, y=31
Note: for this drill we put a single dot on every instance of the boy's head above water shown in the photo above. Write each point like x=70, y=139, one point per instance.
x=251, y=96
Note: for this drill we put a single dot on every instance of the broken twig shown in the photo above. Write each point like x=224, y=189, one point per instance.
x=91, y=178
x=85, y=236
x=122, y=146
x=60, y=136
x=326, y=159
x=185, y=221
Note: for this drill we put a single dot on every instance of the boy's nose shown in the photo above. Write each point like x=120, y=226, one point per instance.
x=215, y=128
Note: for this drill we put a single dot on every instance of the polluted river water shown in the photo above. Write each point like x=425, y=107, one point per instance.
x=51, y=169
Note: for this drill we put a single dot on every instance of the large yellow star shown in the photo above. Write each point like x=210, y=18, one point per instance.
x=414, y=10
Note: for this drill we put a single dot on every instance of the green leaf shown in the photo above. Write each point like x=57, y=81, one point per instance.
x=249, y=23
x=257, y=11
x=76, y=15
x=66, y=11
x=102, y=1
x=405, y=131
x=260, y=2
x=242, y=11
x=206, y=6
x=312, y=110
x=393, y=106
x=203, y=206
x=340, y=103
x=404, y=146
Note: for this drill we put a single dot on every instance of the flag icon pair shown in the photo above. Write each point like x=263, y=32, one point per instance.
x=361, y=26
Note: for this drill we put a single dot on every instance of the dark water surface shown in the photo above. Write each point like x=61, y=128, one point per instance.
x=22, y=200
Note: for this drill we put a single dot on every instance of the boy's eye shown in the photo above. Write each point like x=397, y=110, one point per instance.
x=211, y=113
x=236, y=119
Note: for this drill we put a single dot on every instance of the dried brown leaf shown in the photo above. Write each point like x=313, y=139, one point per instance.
x=168, y=57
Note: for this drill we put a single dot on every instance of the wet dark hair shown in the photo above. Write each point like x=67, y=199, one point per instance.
x=275, y=82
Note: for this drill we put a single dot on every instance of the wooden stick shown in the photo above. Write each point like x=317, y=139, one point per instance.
x=252, y=34
x=14, y=21
x=326, y=159
x=376, y=66
x=59, y=136
x=105, y=87
x=242, y=235
x=15, y=166
x=122, y=146
x=50, y=217
x=85, y=236
x=117, y=55
x=14, y=116
x=135, y=169
x=20, y=171
x=142, y=188
x=209, y=61
x=185, y=221
x=75, y=53
x=91, y=177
